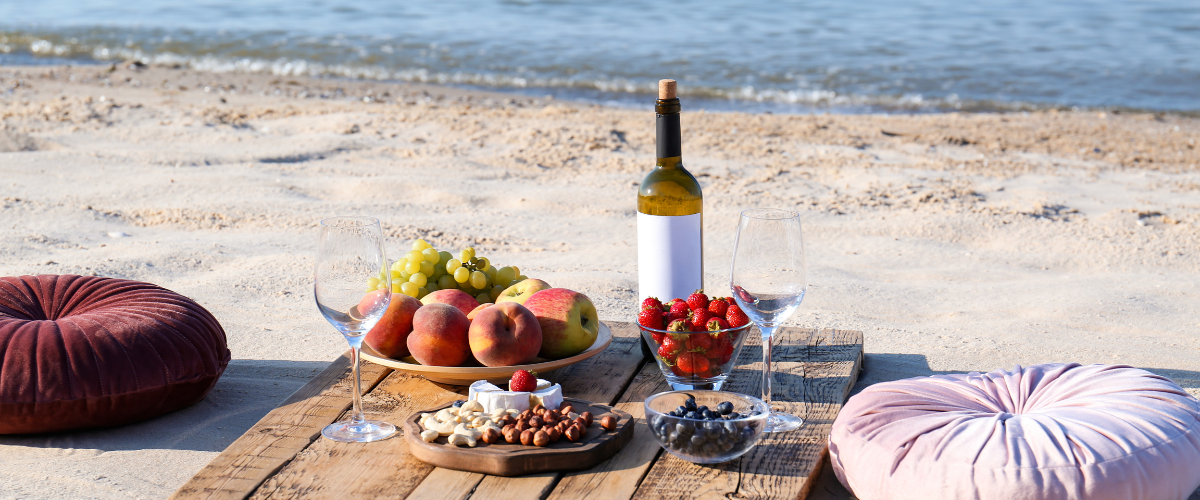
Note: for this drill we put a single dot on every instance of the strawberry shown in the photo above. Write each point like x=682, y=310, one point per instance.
x=700, y=341
x=669, y=348
x=716, y=324
x=678, y=310
x=718, y=306
x=697, y=300
x=679, y=325
x=652, y=302
x=671, y=303
x=721, y=351
x=523, y=381
x=692, y=363
x=651, y=317
x=736, y=317
x=699, y=319
x=658, y=337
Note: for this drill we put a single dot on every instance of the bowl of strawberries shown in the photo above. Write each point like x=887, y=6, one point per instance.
x=696, y=340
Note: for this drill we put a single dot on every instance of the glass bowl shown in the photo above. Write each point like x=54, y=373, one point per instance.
x=695, y=360
x=706, y=441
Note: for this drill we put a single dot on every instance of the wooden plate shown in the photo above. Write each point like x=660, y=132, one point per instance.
x=505, y=459
x=465, y=375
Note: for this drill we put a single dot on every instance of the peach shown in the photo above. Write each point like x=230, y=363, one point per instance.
x=475, y=312
x=389, y=337
x=505, y=334
x=453, y=296
x=439, y=336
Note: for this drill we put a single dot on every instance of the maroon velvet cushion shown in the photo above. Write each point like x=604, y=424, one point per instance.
x=85, y=351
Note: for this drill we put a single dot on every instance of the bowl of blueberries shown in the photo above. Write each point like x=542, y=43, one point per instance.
x=706, y=427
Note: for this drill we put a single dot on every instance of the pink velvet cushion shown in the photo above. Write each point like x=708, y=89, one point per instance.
x=1057, y=431
x=84, y=351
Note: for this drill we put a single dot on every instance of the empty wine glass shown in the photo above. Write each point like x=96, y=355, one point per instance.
x=768, y=281
x=350, y=252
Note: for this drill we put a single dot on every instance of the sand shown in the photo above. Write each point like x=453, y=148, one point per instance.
x=955, y=242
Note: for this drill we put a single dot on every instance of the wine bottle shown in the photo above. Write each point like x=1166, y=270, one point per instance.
x=669, y=219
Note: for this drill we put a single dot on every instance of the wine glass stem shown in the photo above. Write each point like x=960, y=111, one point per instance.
x=768, y=336
x=358, y=417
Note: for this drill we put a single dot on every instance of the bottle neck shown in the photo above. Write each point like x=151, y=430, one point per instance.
x=667, y=125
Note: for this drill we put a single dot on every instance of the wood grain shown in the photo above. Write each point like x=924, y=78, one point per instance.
x=821, y=372
x=329, y=469
x=280, y=435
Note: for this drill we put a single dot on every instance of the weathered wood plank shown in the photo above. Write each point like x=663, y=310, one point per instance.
x=600, y=379
x=446, y=484
x=329, y=469
x=821, y=373
x=618, y=477
x=280, y=435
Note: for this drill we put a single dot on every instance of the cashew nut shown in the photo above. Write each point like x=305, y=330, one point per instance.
x=459, y=440
x=472, y=405
x=444, y=428
x=464, y=430
x=480, y=421
x=444, y=415
x=573, y=415
x=429, y=436
x=497, y=414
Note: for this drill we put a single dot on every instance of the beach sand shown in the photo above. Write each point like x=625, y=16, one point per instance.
x=955, y=242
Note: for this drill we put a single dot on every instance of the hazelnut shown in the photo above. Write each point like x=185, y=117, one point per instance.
x=491, y=435
x=549, y=418
x=537, y=410
x=522, y=425
x=572, y=434
x=506, y=420
x=587, y=417
x=536, y=422
x=540, y=438
x=608, y=422
x=555, y=434
x=512, y=435
x=565, y=409
x=581, y=421
x=527, y=437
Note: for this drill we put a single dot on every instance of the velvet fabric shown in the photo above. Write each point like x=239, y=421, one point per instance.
x=83, y=351
x=1056, y=431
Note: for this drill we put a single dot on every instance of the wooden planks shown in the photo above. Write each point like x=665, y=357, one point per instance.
x=278, y=458
x=782, y=464
x=281, y=434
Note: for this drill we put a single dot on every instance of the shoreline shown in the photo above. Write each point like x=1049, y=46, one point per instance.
x=955, y=241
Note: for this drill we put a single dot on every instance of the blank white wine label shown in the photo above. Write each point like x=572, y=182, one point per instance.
x=670, y=256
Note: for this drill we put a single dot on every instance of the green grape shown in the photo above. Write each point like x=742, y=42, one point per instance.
x=453, y=265
x=410, y=289
x=479, y=279
x=398, y=265
x=431, y=255
x=446, y=281
x=461, y=275
x=432, y=286
x=484, y=263
x=397, y=281
x=495, y=292
x=505, y=275
x=421, y=293
x=415, y=256
x=373, y=283
x=412, y=266
x=419, y=279
x=467, y=254
x=396, y=289
x=444, y=257
x=521, y=278
x=491, y=273
x=405, y=275
x=393, y=274
x=427, y=268
x=420, y=245
x=483, y=298
x=437, y=273
x=516, y=271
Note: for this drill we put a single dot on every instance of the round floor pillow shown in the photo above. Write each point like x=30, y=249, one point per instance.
x=83, y=351
x=1058, y=431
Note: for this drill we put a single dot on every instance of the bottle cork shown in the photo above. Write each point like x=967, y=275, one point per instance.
x=666, y=89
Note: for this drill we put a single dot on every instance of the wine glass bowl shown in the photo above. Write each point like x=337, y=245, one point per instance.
x=768, y=281
x=350, y=252
x=718, y=348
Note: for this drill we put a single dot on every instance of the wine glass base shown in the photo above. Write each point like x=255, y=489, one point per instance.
x=782, y=422
x=362, y=432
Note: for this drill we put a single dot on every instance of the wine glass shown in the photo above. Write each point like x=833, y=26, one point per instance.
x=768, y=280
x=350, y=252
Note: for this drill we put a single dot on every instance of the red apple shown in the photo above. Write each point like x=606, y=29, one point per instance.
x=505, y=334
x=568, y=319
x=453, y=296
x=439, y=336
x=389, y=336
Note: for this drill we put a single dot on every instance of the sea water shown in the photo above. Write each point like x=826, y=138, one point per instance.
x=782, y=56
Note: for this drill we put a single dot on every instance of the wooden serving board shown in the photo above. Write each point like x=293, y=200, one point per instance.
x=506, y=459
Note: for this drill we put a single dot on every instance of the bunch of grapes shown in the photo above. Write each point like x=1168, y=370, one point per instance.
x=424, y=269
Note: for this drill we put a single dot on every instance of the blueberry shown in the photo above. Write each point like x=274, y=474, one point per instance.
x=701, y=409
x=691, y=414
x=459, y=403
x=709, y=415
x=690, y=404
x=733, y=415
x=680, y=411
x=725, y=408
